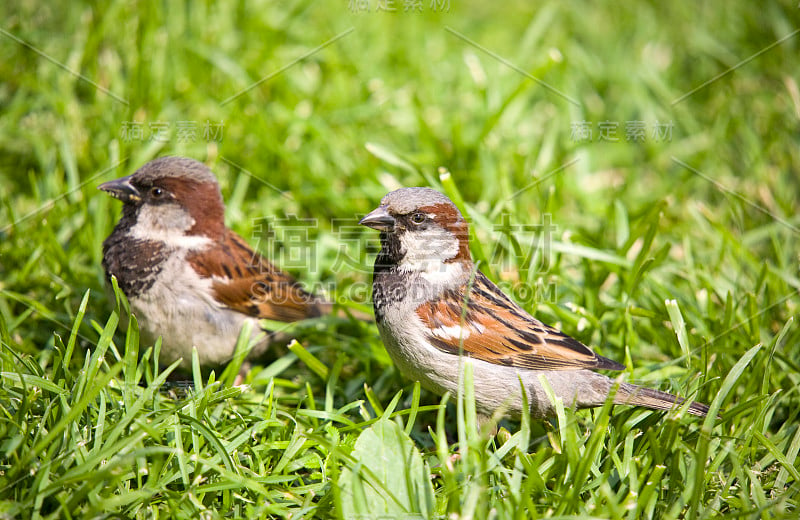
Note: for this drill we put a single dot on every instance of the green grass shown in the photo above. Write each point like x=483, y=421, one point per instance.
x=678, y=256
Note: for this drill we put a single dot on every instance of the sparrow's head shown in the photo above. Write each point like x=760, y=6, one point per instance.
x=421, y=230
x=171, y=195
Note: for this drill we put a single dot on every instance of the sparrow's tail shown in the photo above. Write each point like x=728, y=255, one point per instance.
x=647, y=397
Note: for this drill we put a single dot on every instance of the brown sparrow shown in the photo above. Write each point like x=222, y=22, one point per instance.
x=434, y=309
x=187, y=277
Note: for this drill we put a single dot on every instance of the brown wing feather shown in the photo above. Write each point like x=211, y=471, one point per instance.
x=497, y=330
x=248, y=283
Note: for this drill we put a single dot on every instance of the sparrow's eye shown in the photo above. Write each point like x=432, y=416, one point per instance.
x=157, y=192
x=418, y=218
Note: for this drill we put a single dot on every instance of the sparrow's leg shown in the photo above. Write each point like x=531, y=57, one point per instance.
x=487, y=425
x=243, y=371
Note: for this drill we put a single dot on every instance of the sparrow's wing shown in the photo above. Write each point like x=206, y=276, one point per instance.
x=244, y=281
x=481, y=322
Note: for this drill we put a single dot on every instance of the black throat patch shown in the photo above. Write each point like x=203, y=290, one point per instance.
x=135, y=263
x=388, y=285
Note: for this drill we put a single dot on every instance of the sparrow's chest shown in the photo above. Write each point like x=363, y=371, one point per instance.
x=180, y=307
x=389, y=290
x=135, y=263
x=396, y=298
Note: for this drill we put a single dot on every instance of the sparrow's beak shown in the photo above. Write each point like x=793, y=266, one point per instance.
x=379, y=219
x=121, y=189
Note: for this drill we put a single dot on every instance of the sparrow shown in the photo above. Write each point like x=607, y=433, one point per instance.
x=434, y=310
x=187, y=277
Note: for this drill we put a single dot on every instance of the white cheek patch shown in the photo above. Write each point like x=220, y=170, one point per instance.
x=167, y=223
x=444, y=274
x=426, y=251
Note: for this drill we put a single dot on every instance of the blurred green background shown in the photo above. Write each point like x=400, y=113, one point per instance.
x=598, y=113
